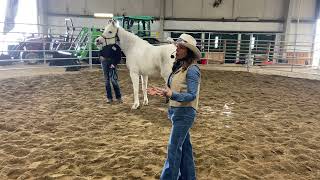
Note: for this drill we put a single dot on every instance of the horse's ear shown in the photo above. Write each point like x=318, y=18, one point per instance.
x=113, y=22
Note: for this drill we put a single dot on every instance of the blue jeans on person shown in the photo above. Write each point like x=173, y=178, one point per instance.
x=179, y=164
x=110, y=74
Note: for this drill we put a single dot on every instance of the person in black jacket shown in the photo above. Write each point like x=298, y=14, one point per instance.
x=110, y=56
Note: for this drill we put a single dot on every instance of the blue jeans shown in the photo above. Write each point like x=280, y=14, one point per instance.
x=110, y=74
x=179, y=164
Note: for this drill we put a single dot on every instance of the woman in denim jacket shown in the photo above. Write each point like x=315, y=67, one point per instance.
x=183, y=93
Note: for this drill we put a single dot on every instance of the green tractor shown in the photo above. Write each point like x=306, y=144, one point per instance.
x=82, y=46
x=139, y=25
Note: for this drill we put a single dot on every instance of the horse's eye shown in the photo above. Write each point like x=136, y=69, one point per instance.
x=110, y=32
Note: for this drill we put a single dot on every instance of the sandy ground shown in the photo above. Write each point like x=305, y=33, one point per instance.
x=249, y=126
x=280, y=70
x=21, y=70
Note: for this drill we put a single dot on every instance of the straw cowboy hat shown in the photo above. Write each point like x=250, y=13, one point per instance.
x=189, y=42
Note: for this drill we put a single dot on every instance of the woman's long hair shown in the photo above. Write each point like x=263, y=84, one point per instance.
x=188, y=60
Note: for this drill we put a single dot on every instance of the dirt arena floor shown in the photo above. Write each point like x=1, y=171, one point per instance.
x=249, y=126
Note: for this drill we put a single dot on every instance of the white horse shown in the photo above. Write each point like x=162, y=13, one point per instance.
x=142, y=58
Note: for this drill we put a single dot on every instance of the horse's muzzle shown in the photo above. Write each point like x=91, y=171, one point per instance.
x=100, y=41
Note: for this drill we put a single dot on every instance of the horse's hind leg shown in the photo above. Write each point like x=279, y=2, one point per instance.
x=135, y=83
x=144, y=84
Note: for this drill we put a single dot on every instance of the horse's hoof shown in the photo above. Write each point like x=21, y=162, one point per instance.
x=146, y=103
x=135, y=106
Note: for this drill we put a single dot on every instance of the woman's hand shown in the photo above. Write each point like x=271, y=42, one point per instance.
x=168, y=92
x=156, y=91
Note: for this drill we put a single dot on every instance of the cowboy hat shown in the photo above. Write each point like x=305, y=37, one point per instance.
x=189, y=42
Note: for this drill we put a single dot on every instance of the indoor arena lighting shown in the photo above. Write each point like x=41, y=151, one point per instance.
x=103, y=15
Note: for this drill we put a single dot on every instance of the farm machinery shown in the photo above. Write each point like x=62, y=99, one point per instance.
x=72, y=51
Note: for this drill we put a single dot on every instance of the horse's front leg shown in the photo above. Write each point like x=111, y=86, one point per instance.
x=165, y=74
x=135, y=84
x=144, y=84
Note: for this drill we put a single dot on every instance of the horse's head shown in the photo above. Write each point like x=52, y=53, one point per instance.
x=109, y=34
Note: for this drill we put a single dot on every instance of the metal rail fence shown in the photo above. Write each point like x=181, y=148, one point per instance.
x=286, y=52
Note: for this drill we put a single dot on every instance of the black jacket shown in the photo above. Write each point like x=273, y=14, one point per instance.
x=112, y=52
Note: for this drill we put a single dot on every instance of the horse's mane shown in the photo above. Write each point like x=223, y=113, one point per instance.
x=133, y=37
